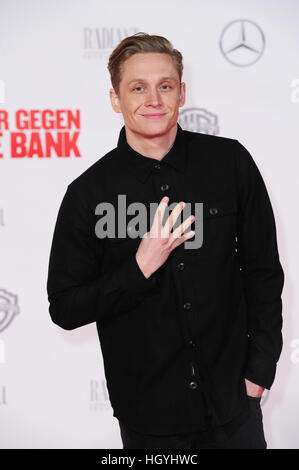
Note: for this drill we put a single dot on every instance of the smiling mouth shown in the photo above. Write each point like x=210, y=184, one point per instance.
x=154, y=116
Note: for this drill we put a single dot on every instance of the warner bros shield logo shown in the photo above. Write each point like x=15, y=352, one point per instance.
x=8, y=308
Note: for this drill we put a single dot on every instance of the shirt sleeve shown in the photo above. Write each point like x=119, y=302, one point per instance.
x=262, y=273
x=79, y=292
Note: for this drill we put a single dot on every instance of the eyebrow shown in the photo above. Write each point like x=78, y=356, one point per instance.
x=144, y=80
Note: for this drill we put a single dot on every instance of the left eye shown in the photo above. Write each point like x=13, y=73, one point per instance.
x=163, y=86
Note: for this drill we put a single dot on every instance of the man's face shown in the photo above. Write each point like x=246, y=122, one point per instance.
x=150, y=94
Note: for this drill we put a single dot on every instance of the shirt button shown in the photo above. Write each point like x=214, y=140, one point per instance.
x=191, y=343
x=157, y=166
x=193, y=385
x=181, y=266
x=213, y=210
x=187, y=305
x=164, y=187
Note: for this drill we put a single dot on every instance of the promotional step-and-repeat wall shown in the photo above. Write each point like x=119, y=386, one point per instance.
x=241, y=71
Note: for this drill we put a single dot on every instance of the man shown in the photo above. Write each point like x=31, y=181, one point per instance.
x=190, y=337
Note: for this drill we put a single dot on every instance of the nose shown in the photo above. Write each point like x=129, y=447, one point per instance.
x=153, y=98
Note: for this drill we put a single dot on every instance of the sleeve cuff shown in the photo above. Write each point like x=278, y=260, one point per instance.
x=263, y=379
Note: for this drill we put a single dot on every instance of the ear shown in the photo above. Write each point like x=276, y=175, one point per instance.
x=114, y=101
x=182, y=94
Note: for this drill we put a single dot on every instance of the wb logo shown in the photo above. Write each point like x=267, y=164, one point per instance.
x=8, y=308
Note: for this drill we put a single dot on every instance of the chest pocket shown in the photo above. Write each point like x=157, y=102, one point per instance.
x=219, y=208
x=219, y=228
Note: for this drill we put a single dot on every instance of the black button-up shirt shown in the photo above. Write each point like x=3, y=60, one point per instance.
x=176, y=346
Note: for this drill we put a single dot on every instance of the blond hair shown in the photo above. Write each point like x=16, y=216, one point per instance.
x=140, y=43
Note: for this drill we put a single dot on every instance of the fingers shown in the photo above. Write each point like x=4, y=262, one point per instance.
x=156, y=229
x=181, y=229
x=182, y=239
x=160, y=231
x=173, y=217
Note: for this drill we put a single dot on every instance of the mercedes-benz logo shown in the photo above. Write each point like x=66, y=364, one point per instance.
x=242, y=42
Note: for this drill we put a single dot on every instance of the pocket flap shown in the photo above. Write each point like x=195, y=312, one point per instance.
x=219, y=207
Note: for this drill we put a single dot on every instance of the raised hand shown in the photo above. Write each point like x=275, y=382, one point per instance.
x=158, y=243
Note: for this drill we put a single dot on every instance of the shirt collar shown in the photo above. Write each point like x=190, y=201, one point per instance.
x=141, y=166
